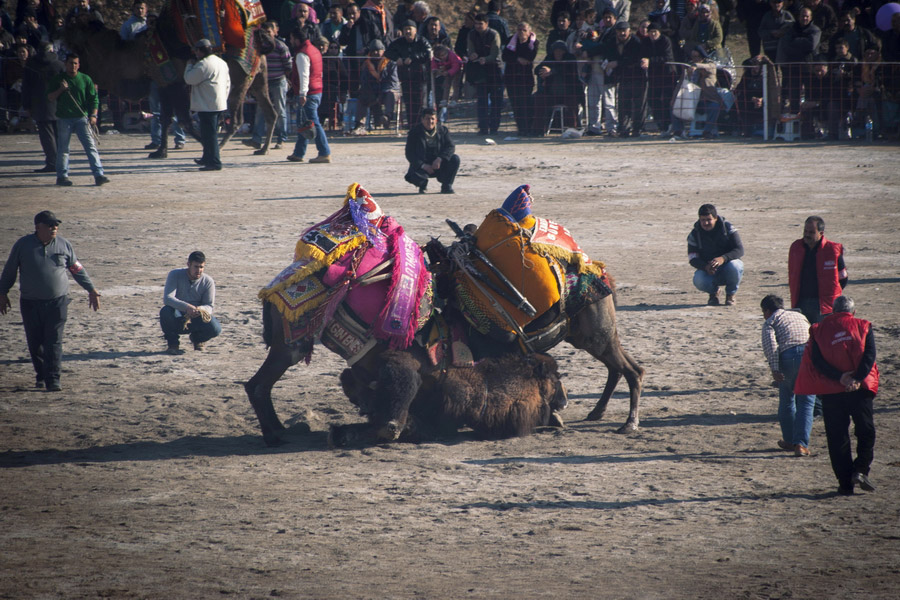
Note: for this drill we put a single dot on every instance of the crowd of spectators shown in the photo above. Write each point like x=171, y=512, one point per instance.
x=597, y=70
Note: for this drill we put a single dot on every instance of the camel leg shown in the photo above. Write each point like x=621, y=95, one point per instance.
x=260, y=89
x=594, y=330
x=259, y=392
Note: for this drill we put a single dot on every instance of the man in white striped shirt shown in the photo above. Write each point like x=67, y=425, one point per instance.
x=784, y=337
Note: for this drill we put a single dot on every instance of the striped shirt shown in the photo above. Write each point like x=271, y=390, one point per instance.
x=782, y=331
x=279, y=61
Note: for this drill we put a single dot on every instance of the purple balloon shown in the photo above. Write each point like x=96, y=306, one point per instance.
x=885, y=14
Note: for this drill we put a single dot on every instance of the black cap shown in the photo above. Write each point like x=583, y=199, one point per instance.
x=46, y=217
x=622, y=25
x=203, y=43
x=409, y=23
x=376, y=44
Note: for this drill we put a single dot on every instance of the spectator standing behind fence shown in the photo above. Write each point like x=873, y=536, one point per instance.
x=703, y=72
x=839, y=366
x=622, y=8
x=207, y=74
x=666, y=19
x=749, y=95
x=858, y=39
x=774, y=25
x=379, y=87
x=447, y=69
x=188, y=299
x=660, y=76
x=498, y=23
x=334, y=83
x=820, y=114
x=558, y=85
x=519, y=56
x=601, y=86
x=84, y=9
x=715, y=250
x=76, y=111
x=706, y=32
x=334, y=25
x=413, y=57
x=41, y=261
x=483, y=71
x=816, y=271
x=796, y=50
x=136, y=23
x=431, y=153
x=628, y=64
x=35, y=33
x=784, y=336
x=824, y=17
x=562, y=30
x=278, y=62
x=434, y=33
x=40, y=69
x=573, y=7
x=309, y=95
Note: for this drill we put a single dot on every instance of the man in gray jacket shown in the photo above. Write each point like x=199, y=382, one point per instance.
x=189, y=297
x=42, y=259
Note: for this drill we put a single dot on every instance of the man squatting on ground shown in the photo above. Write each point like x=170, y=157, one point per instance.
x=839, y=366
x=42, y=259
x=430, y=152
x=715, y=249
x=189, y=297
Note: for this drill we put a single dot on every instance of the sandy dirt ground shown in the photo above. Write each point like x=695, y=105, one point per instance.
x=147, y=477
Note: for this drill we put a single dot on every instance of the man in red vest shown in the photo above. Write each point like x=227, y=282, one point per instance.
x=816, y=271
x=309, y=94
x=839, y=366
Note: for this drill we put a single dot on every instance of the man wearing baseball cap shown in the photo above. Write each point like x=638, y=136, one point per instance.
x=42, y=259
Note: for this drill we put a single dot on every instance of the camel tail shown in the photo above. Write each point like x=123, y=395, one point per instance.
x=267, y=324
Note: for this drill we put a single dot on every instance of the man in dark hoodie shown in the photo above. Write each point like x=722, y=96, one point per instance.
x=40, y=68
x=714, y=250
x=431, y=153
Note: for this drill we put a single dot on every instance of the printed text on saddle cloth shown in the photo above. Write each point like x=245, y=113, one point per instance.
x=548, y=232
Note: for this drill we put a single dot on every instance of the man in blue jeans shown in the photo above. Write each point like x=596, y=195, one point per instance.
x=189, y=296
x=714, y=250
x=784, y=337
x=309, y=95
x=76, y=111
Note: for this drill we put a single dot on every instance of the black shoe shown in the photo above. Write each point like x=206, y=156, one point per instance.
x=713, y=299
x=54, y=386
x=863, y=481
x=101, y=179
x=63, y=181
x=209, y=168
x=447, y=189
x=845, y=491
x=591, y=132
x=252, y=144
x=151, y=146
x=174, y=350
x=179, y=145
x=199, y=161
x=39, y=383
x=46, y=169
x=423, y=188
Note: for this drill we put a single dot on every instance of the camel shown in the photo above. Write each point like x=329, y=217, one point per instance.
x=498, y=397
x=124, y=69
x=592, y=328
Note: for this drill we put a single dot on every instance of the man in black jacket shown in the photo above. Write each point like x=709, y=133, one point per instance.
x=430, y=153
x=412, y=53
x=38, y=71
x=715, y=249
x=629, y=63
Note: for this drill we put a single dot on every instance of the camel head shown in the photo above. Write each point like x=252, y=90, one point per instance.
x=546, y=372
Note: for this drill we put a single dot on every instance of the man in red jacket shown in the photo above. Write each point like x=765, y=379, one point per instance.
x=816, y=271
x=839, y=366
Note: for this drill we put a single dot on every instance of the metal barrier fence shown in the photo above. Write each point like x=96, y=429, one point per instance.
x=839, y=100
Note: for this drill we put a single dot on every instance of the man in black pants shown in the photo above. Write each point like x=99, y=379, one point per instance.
x=430, y=153
x=839, y=366
x=42, y=259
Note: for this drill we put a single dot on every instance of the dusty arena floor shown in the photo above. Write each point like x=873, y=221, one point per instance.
x=147, y=478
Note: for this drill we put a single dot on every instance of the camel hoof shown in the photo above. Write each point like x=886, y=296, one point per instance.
x=273, y=440
x=556, y=420
x=628, y=427
x=595, y=415
x=390, y=431
x=158, y=154
x=260, y=152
